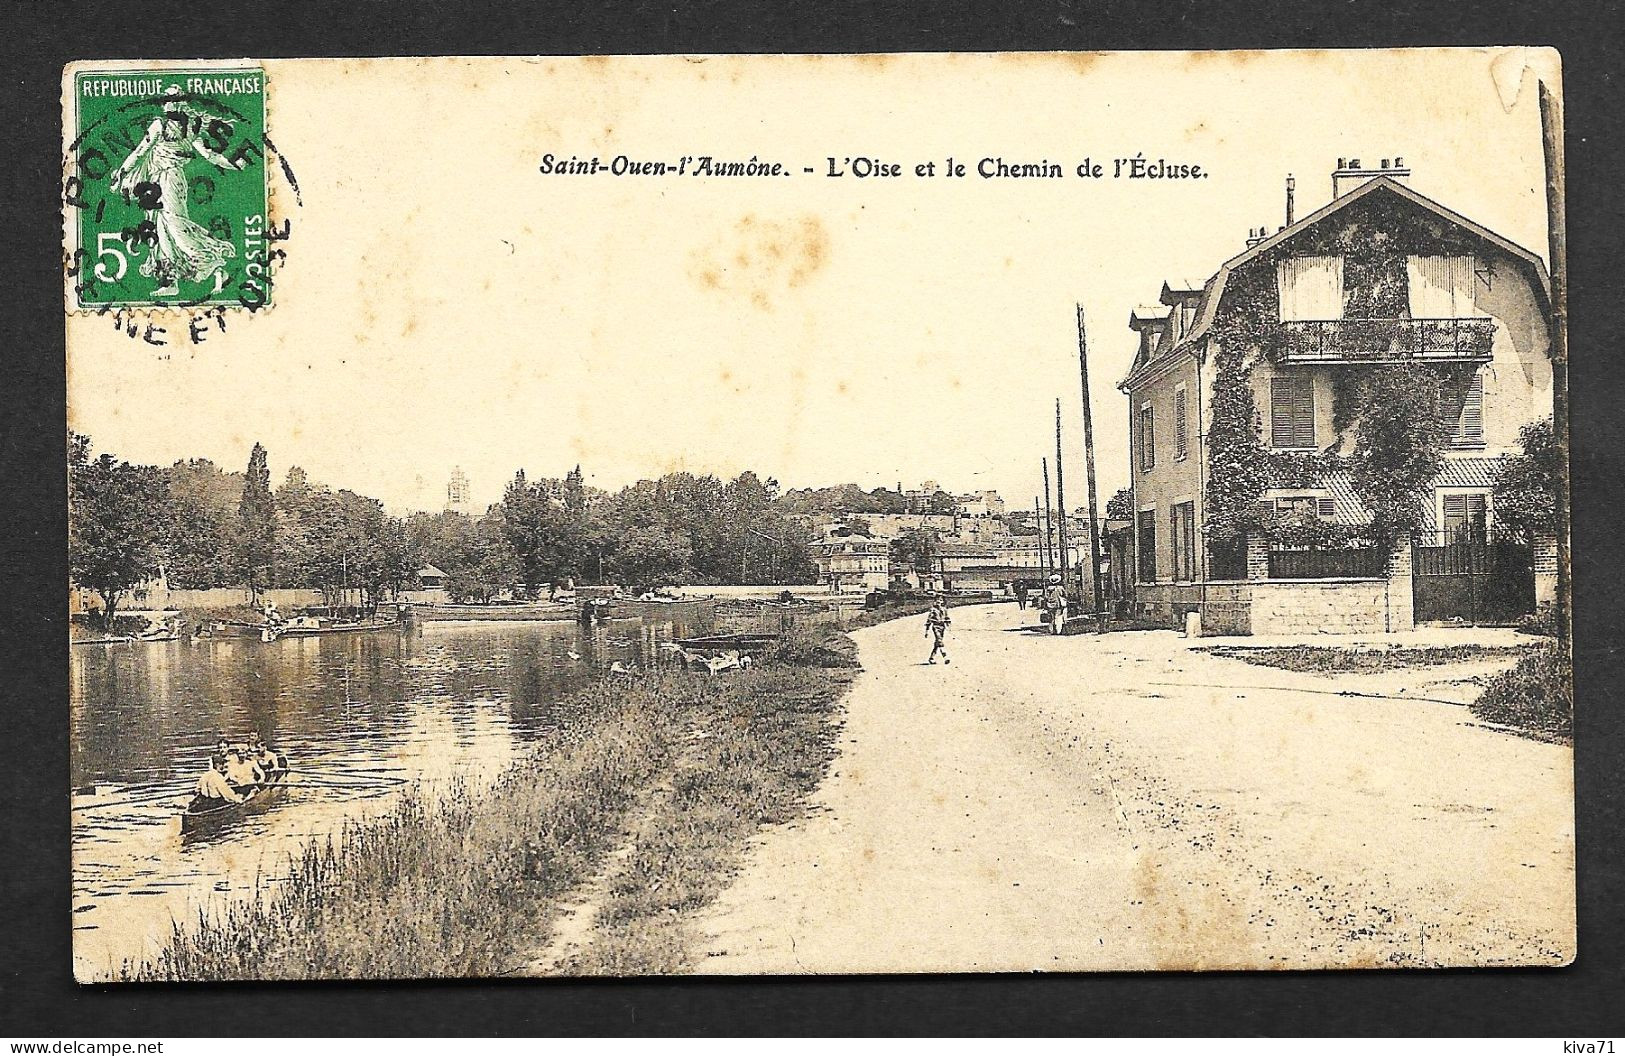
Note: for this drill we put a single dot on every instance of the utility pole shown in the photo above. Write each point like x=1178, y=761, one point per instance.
x=1551, y=129
x=1060, y=501
x=1049, y=522
x=1089, y=468
x=1043, y=547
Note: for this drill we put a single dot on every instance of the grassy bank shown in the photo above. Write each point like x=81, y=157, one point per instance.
x=1535, y=698
x=747, y=762
x=465, y=884
x=1330, y=659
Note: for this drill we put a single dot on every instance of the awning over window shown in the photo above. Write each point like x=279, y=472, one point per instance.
x=1310, y=288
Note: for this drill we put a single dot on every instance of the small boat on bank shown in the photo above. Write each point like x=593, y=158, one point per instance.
x=313, y=626
x=204, y=815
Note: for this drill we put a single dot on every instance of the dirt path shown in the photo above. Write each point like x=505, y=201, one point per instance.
x=1126, y=802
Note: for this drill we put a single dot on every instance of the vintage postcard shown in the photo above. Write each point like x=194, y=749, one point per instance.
x=817, y=514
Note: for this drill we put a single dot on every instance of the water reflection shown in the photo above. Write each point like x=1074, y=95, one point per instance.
x=358, y=715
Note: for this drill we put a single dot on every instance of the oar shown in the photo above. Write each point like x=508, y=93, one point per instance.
x=131, y=802
x=373, y=783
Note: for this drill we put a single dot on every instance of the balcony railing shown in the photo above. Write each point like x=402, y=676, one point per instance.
x=1386, y=340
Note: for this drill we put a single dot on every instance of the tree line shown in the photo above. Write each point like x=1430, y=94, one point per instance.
x=199, y=526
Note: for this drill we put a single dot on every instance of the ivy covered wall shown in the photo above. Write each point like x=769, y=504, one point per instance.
x=1393, y=409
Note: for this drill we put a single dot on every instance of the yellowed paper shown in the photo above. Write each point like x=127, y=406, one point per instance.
x=1300, y=715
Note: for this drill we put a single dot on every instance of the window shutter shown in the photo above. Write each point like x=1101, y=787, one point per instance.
x=1304, y=431
x=1280, y=412
x=1455, y=512
x=1292, y=411
x=1470, y=429
x=1181, y=427
x=1325, y=508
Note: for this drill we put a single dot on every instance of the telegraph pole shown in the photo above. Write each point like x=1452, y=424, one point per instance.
x=1043, y=550
x=1049, y=522
x=1060, y=501
x=1551, y=128
x=1089, y=467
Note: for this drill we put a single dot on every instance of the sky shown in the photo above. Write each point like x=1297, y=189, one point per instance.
x=443, y=303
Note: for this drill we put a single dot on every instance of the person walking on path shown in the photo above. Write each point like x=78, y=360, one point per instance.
x=1055, y=604
x=1021, y=595
x=936, y=625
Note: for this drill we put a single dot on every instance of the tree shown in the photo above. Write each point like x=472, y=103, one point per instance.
x=194, y=546
x=915, y=549
x=574, y=494
x=116, y=514
x=257, y=514
x=1120, y=507
x=547, y=540
x=651, y=556
x=942, y=504
x=1528, y=485
x=484, y=566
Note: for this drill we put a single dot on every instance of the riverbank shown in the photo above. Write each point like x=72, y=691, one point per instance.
x=647, y=790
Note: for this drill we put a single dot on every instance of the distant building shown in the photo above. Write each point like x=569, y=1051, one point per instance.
x=850, y=561
x=980, y=504
x=892, y=525
x=457, y=497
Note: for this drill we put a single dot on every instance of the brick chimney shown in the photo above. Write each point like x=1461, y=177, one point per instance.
x=1350, y=173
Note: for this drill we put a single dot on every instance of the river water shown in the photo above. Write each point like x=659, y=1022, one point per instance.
x=358, y=715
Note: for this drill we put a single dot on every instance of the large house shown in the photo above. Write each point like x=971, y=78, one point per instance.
x=1258, y=524
x=852, y=562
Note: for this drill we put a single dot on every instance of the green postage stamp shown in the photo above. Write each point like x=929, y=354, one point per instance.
x=165, y=188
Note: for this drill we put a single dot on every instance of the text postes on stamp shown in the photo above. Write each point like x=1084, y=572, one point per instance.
x=166, y=190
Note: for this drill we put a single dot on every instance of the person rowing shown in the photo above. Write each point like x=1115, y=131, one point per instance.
x=242, y=772
x=214, y=785
x=263, y=754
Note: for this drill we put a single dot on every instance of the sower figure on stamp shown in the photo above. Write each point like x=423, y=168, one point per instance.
x=155, y=176
x=936, y=625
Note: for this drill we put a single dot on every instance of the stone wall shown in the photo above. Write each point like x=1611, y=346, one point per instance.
x=1328, y=606
x=1225, y=609
x=1282, y=606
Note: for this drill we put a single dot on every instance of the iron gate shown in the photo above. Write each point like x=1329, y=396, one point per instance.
x=1471, y=576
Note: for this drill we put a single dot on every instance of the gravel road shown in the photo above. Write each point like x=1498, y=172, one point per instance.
x=1129, y=802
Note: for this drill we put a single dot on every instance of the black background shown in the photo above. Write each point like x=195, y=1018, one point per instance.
x=38, y=997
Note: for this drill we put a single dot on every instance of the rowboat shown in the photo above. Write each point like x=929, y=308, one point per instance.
x=312, y=626
x=204, y=815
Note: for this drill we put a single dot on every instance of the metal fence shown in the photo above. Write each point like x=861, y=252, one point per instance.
x=1353, y=563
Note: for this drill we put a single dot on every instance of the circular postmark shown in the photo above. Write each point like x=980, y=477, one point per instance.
x=168, y=196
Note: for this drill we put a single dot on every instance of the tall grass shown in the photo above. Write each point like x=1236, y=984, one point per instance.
x=1332, y=659
x=460, y=882
x=447, y=884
